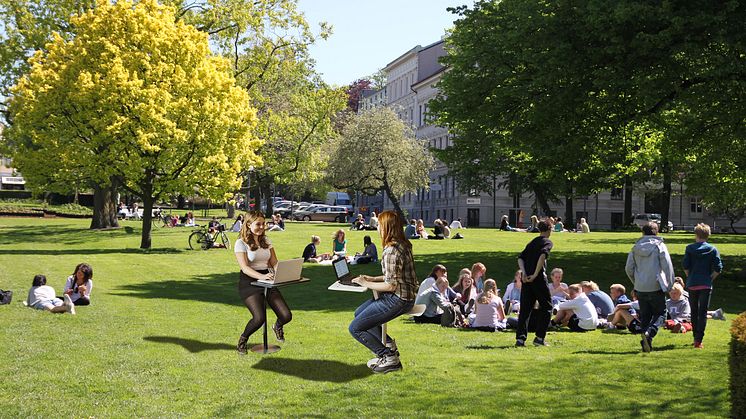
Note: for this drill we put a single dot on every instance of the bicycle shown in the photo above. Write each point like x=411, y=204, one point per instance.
x=162, y=220
x=202, y=238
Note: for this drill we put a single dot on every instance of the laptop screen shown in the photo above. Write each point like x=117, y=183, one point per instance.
x=341, y=268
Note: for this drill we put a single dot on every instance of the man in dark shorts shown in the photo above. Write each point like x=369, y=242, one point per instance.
x=532, y=263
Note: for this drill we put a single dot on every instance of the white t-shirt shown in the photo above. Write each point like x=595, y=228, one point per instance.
x=69, y=284
x=455, y=224
x=259, y=259
x=584, y=309
x=42, y=293
x=425, y=285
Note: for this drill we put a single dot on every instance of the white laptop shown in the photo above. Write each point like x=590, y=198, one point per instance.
x=286, y=271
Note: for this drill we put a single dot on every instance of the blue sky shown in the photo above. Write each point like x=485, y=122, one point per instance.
x=370, y=34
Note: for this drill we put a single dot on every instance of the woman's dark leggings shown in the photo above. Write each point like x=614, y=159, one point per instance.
x=700, y=301
x=82, y=301
x=255, y=304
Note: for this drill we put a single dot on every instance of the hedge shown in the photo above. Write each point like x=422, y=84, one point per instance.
x=738, y=367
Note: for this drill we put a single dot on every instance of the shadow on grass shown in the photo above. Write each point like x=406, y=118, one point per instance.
x=314, y=369
x=191, y=345
x=488, y=347
x=675, y=239
x=630, y=352
x=59, y=252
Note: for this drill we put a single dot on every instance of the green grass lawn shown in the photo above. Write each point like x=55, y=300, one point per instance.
x=159, y=338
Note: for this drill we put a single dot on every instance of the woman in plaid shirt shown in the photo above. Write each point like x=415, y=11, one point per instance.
x=396, y=288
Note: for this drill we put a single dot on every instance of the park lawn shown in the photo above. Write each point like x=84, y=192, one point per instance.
x=159, y=338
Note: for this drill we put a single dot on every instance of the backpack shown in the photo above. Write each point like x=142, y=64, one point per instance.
x=452, y=317
x=6, y=297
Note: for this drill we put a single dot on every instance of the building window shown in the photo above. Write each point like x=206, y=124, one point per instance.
x=617, y=194
x=695, y=206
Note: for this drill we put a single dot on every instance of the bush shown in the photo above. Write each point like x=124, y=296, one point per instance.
x=11, y=194
x=738, y=367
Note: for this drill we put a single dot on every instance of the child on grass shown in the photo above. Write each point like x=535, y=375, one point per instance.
x=578, y=312
x=489, y=315
x=679, y=312
x=42, y=297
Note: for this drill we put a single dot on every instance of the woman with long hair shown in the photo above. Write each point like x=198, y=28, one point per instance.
x=467, y=292
x=255, y=256
x=79, y=285
x=396, y=288
x=489, y=312
x=339, y=244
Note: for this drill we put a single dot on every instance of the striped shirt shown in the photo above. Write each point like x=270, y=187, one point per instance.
x=397, y=263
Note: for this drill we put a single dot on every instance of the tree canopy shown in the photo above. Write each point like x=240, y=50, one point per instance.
x=586, y=94
x=379, y=152
x=137, y=98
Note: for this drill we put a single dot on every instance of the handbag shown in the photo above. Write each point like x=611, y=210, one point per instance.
x=6, y=297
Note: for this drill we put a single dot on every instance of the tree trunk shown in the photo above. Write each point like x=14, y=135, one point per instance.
x=628, y=201
x=180, y=202
x=569, y=210
x=666, y=196
x=541, y=198
x=230, y=209
x=256, y=190
x=394, y=201
x=147, y=218
x=267, y=195
x=105, y=206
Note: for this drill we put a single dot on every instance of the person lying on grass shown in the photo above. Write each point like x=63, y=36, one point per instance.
x=42, y=297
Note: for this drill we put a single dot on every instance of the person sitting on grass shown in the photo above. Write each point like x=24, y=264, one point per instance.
x=478, y=271
x=467, y=293
x=456, y=224
x=435, y=302
x=237, y=224
x=512, y=296
x=438, y=271
x=489, y=315
x=504, y=225
x=559, y=227
x=79, y=285
x=601, y=300
x=557, y=288
x=410, y=231
x=359, y=223
x=438, y=233
x=370, y=254
x=679, y=312
x=578, y=312
x=309, y=252
x=339, y=244
x=623, y=315
x=373, y=222
x=42, y=297
x=277, y=223
x=421, y=231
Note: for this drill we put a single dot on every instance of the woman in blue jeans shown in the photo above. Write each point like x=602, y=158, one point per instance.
x=396, y=289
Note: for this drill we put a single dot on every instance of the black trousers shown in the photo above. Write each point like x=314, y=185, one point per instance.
x=652, y=311
x=531, y=293
x=700, y=302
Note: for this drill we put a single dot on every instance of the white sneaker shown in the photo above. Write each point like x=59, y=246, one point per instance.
x=387, y=364
x=392, y=345
x=69, y=304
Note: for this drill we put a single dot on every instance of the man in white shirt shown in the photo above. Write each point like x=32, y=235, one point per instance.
x=455, y=224
x=578, y=312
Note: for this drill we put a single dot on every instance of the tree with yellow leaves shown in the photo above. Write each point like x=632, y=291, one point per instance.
x=135, y=99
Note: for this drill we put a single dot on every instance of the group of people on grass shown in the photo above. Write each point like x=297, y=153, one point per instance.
x=339, y=250
x=76, y=292
x=558, y=226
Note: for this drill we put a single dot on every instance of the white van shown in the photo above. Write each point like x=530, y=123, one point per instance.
x=341, y=199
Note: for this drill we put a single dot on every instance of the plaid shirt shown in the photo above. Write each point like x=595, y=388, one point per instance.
x=397, y=263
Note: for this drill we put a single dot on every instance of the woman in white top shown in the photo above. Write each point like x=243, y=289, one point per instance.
x=489, y=314
x=42, y=297
x=557, y=288
x=255, y=256
x=79, y=285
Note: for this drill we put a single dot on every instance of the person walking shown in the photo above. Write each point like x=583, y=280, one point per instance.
x=532, y=263
x=702, y=265
x=397, y=291
x=650, y=269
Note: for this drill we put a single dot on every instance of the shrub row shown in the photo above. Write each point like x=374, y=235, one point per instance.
x=738, y=367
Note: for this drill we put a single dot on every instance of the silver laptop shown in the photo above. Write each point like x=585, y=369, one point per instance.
x=286, y=271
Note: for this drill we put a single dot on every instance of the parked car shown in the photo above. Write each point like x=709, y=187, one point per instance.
x=327, y=213
x=643, y=219
x=301, y=213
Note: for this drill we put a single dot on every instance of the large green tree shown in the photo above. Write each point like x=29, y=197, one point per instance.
x=582, y=89
x=378, y=152
x=135, y=98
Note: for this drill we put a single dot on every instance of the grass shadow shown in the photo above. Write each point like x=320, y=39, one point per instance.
x=60, y=252
x=191, y=345
x=314, y=369
x=630, y=352
x=488, y=347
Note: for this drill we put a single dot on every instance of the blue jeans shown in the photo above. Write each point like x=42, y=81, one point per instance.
x=700, y=301
x=652, y=311
x=366, y=327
